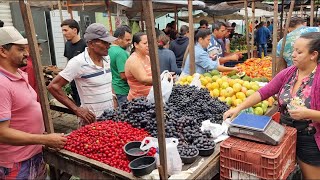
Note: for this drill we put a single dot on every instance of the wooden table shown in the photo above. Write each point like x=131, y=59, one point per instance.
x=74, y=164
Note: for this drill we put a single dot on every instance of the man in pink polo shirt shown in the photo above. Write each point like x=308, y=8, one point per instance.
x=21, y=123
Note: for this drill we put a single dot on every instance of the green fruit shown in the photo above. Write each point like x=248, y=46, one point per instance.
x=207, y=75
x=232, y=73
x=214, y=72
x=246, y=78
x=258, y=111
x=264, y=79
x=256, y=79
x=257, y=105
x=264, y=108
x=234, y=77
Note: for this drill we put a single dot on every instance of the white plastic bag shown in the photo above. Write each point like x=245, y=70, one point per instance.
x=196, y=81
x=174, y=162
x=166, y=87
x=215, y=129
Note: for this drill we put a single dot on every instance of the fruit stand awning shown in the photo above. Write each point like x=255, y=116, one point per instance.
x=128, y=3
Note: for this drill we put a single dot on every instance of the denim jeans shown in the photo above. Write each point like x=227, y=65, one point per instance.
x=121, y=99
x=264, y=46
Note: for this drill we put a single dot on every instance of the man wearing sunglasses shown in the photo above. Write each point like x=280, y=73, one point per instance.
x=91, y=72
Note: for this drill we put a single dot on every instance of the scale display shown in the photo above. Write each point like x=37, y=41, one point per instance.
x=257, y=128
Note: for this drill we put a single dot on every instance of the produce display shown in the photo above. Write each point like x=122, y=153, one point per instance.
x=230, y=90
x=103, y=141
x=257, y=69
x=238, y=44
x=184, y=113
x=187, y=151
x=187, y=108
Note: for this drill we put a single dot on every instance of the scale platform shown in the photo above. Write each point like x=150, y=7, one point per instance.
x=257, y=128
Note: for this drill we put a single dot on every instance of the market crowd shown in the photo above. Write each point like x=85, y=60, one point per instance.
x=105, y=71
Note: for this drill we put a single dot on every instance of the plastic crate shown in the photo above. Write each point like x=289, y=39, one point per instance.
x=241, y=159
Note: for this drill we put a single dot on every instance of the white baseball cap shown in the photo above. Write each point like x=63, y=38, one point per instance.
x=10, y=34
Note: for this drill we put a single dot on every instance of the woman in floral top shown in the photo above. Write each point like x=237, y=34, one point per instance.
x=298, y=89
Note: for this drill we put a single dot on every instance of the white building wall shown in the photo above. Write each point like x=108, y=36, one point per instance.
x=58, y=39
x=5, y=13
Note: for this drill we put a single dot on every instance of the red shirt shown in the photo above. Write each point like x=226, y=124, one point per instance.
x=19, y=105
x=31, y=77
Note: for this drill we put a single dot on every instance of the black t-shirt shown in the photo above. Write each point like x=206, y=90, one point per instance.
x=72, y=50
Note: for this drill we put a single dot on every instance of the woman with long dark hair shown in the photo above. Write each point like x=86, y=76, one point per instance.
x=138, y=67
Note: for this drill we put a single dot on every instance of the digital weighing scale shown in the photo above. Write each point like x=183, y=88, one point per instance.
x=257, y=128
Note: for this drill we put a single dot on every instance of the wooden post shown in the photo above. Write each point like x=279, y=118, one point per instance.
x=281, y=19
x=153, y=53
x=247, y=28
x=312, y=13
x=301, y=10
x=37, y=66
x=141, y=21
x=176, y=17
x=61, y=16
x=107, y=2
x=191, y=39
x=253, y=26
x=286, y=28
x=60, y=10
x=275, y=38
x=69, y=8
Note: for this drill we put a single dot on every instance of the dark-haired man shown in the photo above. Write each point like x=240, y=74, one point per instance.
x=203, y=24
x=296, y=29
x=179, y=46
x=91, y=72
x=118, y=57
x=74, y=46
x=21, y=123
x=215, y=50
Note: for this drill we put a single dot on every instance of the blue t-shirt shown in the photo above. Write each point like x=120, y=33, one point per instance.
x=263, y=35
x=290, y=39
x=270, y=27
x=203, y=62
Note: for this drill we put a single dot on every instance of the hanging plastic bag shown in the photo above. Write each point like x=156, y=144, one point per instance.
x=174, y=162
x=166, y=87
x=196, y=81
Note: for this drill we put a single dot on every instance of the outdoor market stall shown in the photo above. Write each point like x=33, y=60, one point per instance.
x=63, y=163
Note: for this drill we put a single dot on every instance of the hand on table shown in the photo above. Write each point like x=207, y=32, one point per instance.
x=231, y=113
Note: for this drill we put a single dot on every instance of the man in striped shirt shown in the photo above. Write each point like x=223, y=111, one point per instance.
x=91, y=72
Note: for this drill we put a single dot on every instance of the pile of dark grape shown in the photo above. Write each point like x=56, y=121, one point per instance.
x=187, y=108
x=187, y=151
x=204, y=143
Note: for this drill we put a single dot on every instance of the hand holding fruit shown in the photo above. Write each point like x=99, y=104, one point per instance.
x=55, y=140
x=234, y=57
x=85, y=114
x=232, y=113
x=299, y=112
